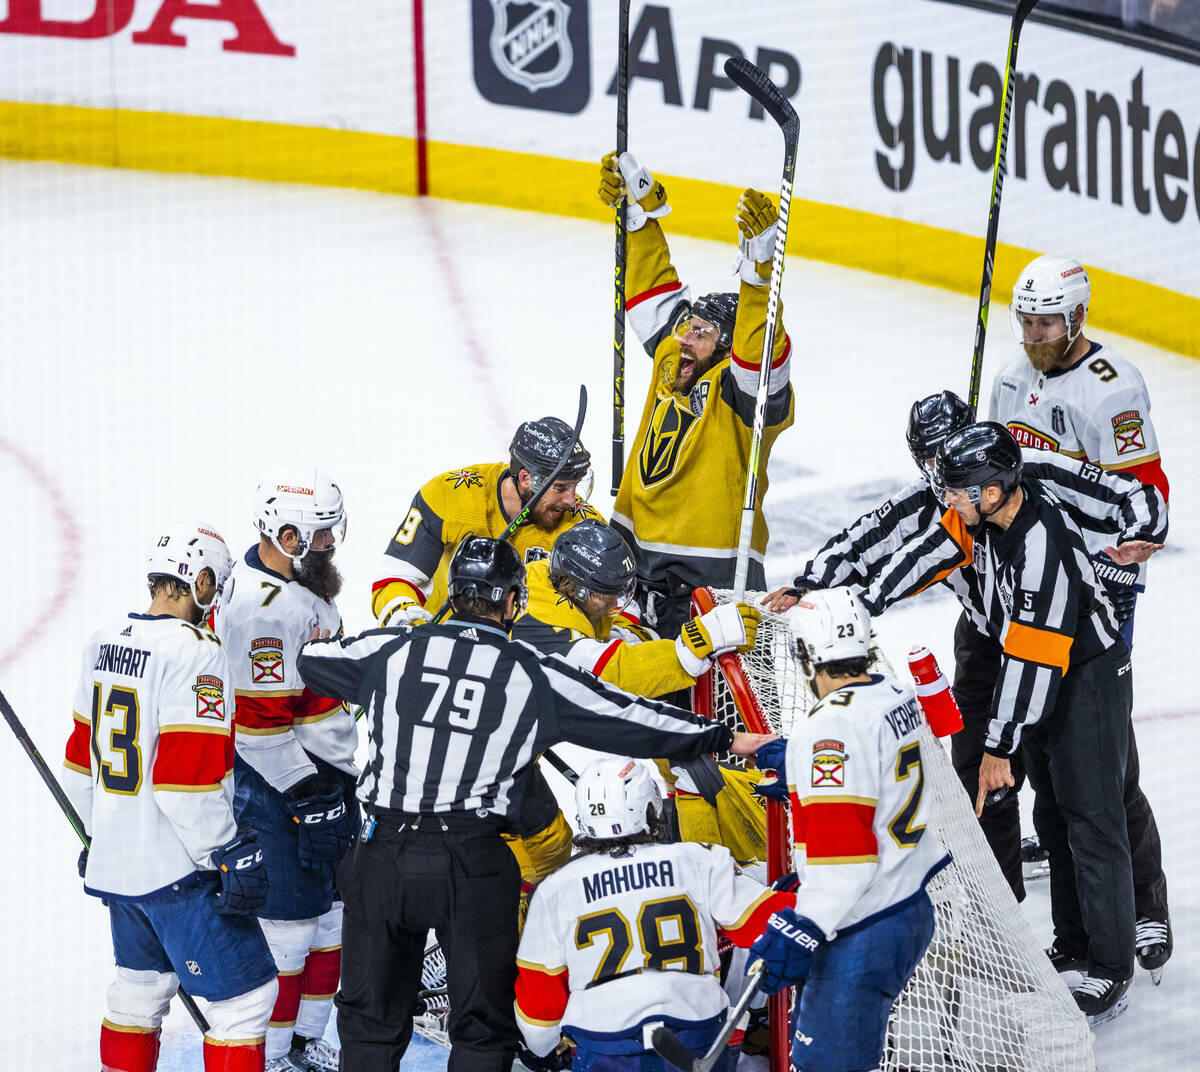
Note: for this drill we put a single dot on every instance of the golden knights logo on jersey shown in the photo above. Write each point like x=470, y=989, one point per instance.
x=210, y=697
x=670, y=424
x=266, y=660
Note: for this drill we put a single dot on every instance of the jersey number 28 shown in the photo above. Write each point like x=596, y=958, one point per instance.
x=669, y=931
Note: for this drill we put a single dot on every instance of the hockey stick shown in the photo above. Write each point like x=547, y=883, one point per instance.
x=618, y=434
x=1023, y=8
x=536, y=497
x=755, y=82
x=68, y=809
x=667, y=1045
x=562, y=766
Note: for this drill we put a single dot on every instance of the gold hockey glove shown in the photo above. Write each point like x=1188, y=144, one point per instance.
x=757, y=222
x=620, y=175
x=724, y=628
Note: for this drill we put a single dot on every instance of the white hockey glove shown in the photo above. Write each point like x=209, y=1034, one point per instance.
x=757, y=222
x=403, y=610
x=619, y=177
x=724, y=628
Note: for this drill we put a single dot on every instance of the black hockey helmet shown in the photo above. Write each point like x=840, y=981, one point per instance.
x=720, y=310
x=538, y=447
x=487, y=569
x=980, y=454
x=931, y=420
x=596, y=558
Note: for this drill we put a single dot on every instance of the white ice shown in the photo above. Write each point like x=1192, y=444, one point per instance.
x=167, y=340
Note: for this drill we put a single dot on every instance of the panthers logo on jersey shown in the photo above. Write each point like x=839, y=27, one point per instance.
x=670, y=425
x=266, y=660
x=210, y=697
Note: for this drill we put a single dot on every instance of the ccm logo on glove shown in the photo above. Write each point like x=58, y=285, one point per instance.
x=316, y=818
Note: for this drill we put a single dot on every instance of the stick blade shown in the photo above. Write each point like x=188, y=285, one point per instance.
x=754, y=81
x=671, y=1050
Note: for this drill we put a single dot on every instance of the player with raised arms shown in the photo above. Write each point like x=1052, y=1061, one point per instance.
x=149, y=767
x=691, y=452
x=862, y=919
x=624, y=938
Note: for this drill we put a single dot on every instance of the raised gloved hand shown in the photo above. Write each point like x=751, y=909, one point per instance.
x=757, y=222
x=325, y=831
x=786, y=949
x=729, y=626
x=619, y=176
x=403, y=610
x=243, y=877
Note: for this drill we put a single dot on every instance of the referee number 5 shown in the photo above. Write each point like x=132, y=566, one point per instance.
x=462, y=711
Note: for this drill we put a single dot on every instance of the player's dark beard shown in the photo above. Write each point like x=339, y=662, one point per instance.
x=1047, y=356
x=319, y=575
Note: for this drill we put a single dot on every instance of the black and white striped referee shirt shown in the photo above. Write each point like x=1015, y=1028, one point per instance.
x=459, y=713
x=1039, y=593
x=1106, y=505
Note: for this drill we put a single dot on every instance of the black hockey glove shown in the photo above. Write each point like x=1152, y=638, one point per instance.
x=243, y=876
x=1120, y=585
x=554, y=1061
x=82, y=864
x=325, y=831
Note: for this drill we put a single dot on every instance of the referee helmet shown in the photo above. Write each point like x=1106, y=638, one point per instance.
x=486, y=569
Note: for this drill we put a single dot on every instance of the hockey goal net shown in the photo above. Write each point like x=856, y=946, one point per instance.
x=985, y=998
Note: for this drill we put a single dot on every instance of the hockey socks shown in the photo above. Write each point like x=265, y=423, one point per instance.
x=319, y=982
x=128, y=1049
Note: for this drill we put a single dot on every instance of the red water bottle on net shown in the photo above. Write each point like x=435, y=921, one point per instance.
x=933, y=690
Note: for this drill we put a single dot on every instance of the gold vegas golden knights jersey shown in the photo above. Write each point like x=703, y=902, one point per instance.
x=445, y=510
x=680, y=499
x=552, y=623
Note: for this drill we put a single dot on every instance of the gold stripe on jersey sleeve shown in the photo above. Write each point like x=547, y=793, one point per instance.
x=533, y=965
x=1141, y=459
x=833, y=861
x=741, y=921
x=266, y=693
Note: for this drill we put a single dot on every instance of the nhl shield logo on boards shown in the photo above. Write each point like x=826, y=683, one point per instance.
x=532, y=53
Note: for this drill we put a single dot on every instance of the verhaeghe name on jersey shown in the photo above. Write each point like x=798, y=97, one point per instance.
x=904, y=719
x=626, y=877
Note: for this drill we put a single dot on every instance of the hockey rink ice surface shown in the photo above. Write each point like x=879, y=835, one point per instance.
x=169, y=340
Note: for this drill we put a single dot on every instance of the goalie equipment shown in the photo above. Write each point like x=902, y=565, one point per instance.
x=980, y=454
x=301, y=498
x=487, y=569
x=830, y=625
x=930, y=421
x=538, y=446
x=616, y=797
x=595, y=557
x=1050, y=286
x=183, y=552
x=718, y=309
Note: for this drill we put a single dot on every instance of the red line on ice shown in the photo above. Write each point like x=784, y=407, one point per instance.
x=68, y=567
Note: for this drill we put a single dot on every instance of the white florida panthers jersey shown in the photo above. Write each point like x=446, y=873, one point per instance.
x=859, y=807
x=264, y=619
x=1098, y=410
x=149, y=766
x=612, y=943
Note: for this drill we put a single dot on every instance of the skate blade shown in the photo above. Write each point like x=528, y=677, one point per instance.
x=1033, y=872
x=1156, y=976
x=1109, y=1014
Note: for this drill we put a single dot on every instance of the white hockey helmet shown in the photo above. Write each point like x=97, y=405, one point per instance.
x=1050, y=286
x=829, y=625
x=183, y=552
x=300, y=497
x=616, y=797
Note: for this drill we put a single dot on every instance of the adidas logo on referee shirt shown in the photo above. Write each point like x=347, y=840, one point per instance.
x=469, y=634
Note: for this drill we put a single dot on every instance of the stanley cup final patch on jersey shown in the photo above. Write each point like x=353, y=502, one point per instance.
x=210, y=697
x=829, y=764
x=266, y=660
x=1127, y=431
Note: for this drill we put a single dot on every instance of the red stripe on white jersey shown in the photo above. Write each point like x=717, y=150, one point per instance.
x=653, y=292
x=1152, y=473
x=542, y=996
x=839, y=828
x=418, y=595
x=191, y=758
x=787, y=352
x=265, y=712
x=606, y=656
x=79, y=746
x=756, y=923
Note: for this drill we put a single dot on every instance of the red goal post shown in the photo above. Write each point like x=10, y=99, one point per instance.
x=779, y=850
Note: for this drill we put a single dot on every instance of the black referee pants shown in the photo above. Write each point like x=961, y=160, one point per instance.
x=464, y=885
x=977, y=665
x=1075, y=757
x=976, y=668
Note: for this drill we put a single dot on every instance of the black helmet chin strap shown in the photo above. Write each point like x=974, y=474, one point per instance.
x=973, y=529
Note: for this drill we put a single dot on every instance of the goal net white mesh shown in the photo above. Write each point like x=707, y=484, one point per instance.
x=985, y=998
